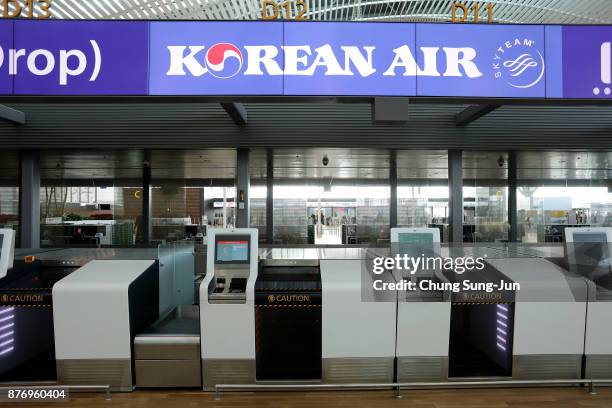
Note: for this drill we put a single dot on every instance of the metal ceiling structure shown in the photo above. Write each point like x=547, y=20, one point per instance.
x=299, y=164
x=505, y=11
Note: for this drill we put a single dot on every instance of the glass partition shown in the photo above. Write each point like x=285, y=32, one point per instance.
x=259, y=195
x=91, y=198
x=559, y=190
x=544, y=212
x=422, y=191
x=9, y=207
x=192, y=190
x=89, y=215
x=333, y=215
x=485, y=197
x=331, y=196
x=9, y=190
x=177, y=275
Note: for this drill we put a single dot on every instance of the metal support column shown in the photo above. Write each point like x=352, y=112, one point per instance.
x=455, y=196
x=512, y=198
x=270, y=197
x=147, y=224
x=243, y=182
x=29, y=200
x=393, y=182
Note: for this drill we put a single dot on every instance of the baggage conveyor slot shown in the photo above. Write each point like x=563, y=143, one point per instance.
x=167, y=353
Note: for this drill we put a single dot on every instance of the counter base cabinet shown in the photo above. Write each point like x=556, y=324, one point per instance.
x=422, y=369
x=227, y=371
x=117, y=373
x=547, y=367
x=598, y=367
x=357, y=370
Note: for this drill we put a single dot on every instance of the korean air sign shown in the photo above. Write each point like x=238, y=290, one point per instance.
x=304, y=58
x=347, y=59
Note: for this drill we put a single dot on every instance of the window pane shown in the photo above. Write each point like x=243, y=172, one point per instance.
x=87, y=215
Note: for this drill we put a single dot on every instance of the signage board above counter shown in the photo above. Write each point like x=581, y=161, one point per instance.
x=210, y=58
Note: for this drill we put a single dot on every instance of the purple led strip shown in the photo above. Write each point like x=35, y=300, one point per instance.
x=7, y=332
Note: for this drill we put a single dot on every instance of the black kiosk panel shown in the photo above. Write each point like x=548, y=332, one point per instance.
x=288, y=322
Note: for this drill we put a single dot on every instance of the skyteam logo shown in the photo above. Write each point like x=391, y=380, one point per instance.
x=224, y=60
x=520, y=63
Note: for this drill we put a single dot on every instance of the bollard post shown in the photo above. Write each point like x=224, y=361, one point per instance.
x=591, y=388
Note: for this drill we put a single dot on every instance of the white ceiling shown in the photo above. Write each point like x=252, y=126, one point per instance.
x=505, y=11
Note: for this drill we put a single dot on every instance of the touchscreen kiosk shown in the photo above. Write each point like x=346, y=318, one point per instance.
x=588, y=252
x=232, y=250
x=231, y=268
x=227, y=307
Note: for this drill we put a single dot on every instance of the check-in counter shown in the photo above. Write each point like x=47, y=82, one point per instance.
x=97, y=311
x=358, y=327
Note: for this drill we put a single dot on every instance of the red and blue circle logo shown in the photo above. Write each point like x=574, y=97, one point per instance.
x=224, y=60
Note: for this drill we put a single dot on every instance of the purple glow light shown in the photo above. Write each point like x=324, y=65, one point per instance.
x=6, y=343
x=6, y=310
x=2, y=352
x=6, y=334
x=7, y=318
x=7, y=326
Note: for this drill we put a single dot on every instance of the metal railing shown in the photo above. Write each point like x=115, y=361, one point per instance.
x=78, y=388
x=403, y=386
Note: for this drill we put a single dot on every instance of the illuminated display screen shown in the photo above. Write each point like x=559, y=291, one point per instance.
x=591, y=237
x=232, y=249
x=416, y=238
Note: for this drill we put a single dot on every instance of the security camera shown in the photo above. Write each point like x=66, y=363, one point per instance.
x=501, y=161
x=325, y=160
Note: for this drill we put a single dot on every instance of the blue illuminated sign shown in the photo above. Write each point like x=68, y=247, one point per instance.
x=210, y=58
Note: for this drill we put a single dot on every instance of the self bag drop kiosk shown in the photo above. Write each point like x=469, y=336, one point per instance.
x=534, y=333
x=227, y=307
x=296, y=318
x=258, y=325
x=358, y=323
x=97, y=311
x=27, y=352
x=423, y=327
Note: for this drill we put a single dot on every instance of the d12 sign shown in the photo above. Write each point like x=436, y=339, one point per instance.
x=587, y=62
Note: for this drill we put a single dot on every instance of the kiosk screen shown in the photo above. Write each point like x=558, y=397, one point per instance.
x=232, y=249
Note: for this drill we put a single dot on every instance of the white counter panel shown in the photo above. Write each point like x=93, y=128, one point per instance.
x=351, y=327
x=91, y=310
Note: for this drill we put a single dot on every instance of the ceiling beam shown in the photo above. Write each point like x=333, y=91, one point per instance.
x=12, y=115
x=472, y=113
x=236, y=111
